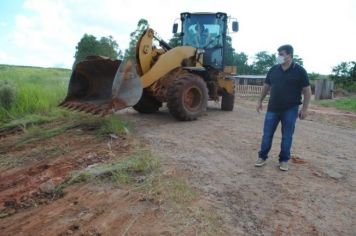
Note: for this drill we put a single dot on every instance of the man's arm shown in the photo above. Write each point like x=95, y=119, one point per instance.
x=264, y=92
x=306, y=99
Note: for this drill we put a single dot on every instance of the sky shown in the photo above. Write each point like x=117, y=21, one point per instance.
x=45, y=32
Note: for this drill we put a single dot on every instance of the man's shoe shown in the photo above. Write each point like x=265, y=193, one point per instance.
x=260, y=162
x=283, y=165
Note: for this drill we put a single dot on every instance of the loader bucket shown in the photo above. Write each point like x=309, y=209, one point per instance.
x=100, y=85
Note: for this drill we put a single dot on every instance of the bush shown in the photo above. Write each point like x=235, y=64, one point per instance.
x=344, y=75
x=7, y=94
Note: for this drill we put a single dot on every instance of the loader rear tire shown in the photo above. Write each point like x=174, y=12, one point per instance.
x=187, y=97
x=147, y=104
x=227, y=101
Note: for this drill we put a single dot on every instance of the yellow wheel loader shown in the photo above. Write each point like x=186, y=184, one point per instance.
x=185, y=77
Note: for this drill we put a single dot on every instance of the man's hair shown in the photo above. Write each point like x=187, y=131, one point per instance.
x=288, y=48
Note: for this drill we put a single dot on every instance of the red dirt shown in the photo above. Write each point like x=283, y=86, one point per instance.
x=81, y=209
x=23, y=182
x=90, y=210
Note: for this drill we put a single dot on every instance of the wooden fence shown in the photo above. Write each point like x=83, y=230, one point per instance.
x=248, y=90
x=324, y=89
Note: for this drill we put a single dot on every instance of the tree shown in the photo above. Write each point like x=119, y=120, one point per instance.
x=241, y=62
x=89, y=45
x=298, y=60
x=263, y=62
x=344, y=74
x=85, y=47
x=313, y=76
x=109, y=47
x=229, y=52
x=142, y=25
x=175, y=41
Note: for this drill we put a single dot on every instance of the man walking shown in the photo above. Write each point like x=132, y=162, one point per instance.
x=285, y=82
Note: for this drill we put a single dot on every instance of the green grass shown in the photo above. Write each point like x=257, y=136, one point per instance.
x=111, y=125
x=179, y=190
x=208, y=222
x=37, y=90
x=27, y=120
x=132, y=170
x=100, y=126
x=346, y=104
x=36, y=133
x=142, y=171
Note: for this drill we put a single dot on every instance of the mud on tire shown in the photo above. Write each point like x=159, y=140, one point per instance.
x=147, y=103
x=187, y=97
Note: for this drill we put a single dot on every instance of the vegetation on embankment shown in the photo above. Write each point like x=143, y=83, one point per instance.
x=28, y=91
x=345, y=103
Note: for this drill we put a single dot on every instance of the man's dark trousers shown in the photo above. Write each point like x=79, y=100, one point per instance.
x=288, y=119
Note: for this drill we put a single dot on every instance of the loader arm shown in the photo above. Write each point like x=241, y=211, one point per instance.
x=153, y=63
x=100, y=85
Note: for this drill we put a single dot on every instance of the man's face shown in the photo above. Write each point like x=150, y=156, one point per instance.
x=199, y=28
x=287, y=57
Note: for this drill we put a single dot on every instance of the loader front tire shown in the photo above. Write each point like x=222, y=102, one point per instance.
x=227, y=101
x=147, y=104
x=187, y=97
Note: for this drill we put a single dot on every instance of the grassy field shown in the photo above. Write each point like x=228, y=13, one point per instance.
x=347, y=103
x=30, y=90
x=28, y=100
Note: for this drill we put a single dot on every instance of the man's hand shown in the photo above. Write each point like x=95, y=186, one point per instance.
x=265, y=90
x=259, y=106
x=307, y=95
x=303, y=113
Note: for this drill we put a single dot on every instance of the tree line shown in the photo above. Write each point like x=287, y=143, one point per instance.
x=344, y=74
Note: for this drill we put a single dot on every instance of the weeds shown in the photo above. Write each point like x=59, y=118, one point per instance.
x=112, y=125
x=179, y=190
x=40, y=127
x=347, y=103
x=26, y=121
x=208, y=222
x=9, y=161
x=28, y=90
x=29, y=97
x=36, y=133
x=141, y=163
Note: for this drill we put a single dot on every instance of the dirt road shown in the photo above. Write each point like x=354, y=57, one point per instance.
x=317, y=196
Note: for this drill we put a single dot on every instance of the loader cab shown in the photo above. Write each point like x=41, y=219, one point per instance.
x=206, y=32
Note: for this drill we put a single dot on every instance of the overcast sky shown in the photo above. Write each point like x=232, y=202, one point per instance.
x=45, y=32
